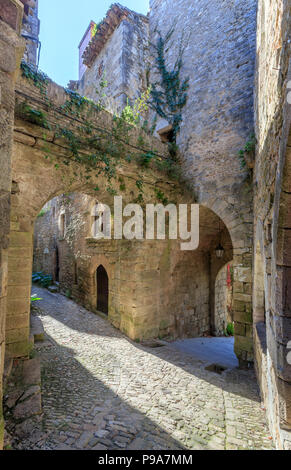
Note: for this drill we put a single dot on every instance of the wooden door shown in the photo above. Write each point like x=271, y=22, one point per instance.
x=102, y=290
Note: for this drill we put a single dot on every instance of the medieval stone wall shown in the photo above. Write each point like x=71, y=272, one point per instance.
x=30, y=31
x=219, y=58
x=122, y=62
x=155, y=289
x=223, y=302
x=11, y=49
x=272, y=216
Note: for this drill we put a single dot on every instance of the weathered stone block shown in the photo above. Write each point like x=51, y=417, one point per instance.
x=283, y=291
x=28, y=408
x=243, y=297
x=242, y=274
x=19, y=349
x=284, y=391
x=11, y=13
x=19, y=278
x=17, y=336
x=7, y=54
x=18, y=307
x=283, y=247
x=17, y=321
x=243, y=343
x=240, y=329
x=21, y=239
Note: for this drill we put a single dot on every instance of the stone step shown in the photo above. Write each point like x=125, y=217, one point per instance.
x=23, y=396
x=54, y=289
x=36, y=328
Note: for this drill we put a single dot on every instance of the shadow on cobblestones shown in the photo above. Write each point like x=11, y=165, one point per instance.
x=83, y=412
x=237, y=381
x=103, y=391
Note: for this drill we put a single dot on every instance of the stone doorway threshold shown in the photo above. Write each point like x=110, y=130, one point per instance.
x=211, y=350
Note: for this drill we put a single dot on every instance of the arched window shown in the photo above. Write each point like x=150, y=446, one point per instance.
x=102, y=289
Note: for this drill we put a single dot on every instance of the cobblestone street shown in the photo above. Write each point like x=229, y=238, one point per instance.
x=102, y=391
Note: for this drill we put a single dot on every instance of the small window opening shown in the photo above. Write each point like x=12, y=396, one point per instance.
x=62, y=225
x=167, y=134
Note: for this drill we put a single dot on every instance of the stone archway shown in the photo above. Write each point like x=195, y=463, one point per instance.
x=240, y=229
x=37, y=180
x=37, y=155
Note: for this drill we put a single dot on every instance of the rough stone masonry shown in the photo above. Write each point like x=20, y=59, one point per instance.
x=11, y=50
x=236, y=54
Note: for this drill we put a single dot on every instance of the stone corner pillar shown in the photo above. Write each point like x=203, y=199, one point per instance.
x=11, y=50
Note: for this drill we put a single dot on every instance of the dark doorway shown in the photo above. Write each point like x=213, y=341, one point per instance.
x=102, y=290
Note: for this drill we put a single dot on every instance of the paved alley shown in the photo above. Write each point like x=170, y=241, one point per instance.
x=103, y=391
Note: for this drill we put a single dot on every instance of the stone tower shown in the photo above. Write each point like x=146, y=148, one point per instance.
x=30, y=31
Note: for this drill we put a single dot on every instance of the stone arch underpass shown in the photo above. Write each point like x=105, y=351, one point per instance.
x=38, y=157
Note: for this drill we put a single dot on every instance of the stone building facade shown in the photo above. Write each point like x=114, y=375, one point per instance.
x=217, y=122
x=272, y=273
x=155, y=289
x=238, y=68
x=118, y=53
x=222, y=94
x=11, y=50
x=30, y=31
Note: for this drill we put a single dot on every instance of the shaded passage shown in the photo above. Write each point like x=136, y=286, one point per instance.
x=102, y=391
x=213, y=350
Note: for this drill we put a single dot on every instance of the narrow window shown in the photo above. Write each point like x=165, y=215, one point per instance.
x=62, y=225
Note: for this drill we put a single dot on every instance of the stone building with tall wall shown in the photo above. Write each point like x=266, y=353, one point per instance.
x=222, y=96
x=238, y=75
x=272, y=203
x=118, y=53
x=11, y=51
x=30, y=31
x=155, y=289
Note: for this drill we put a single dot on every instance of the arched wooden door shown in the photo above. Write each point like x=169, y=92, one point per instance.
x=102, y=290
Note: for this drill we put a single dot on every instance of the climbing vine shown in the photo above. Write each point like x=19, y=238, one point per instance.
x=38, y=78
x=99, y=150
x=169, y=91
x=33, y=115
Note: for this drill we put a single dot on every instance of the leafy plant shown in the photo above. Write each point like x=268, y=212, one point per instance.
x=230, y=329
x=107, y=146
x=34, y=298
x=161, y=197
x=68, y=293
x=33, y=115
x=169, y=92
x=248, y=151
x=39, y=79
x=42, y=213
x=134, y=114
x=146, y=158
x=45, y=280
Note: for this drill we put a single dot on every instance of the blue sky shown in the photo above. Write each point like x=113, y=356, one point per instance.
x=62, y=25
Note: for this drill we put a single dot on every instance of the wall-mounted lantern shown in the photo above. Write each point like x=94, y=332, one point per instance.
x=219, y=251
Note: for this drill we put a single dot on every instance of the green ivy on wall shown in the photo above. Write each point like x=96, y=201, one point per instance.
x=169, y=92
x=104, y=147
